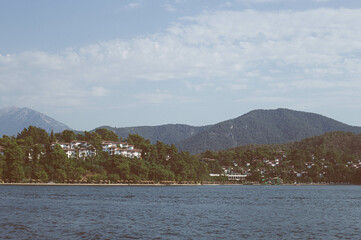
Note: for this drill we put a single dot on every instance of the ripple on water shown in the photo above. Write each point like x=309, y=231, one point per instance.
x=192, y=212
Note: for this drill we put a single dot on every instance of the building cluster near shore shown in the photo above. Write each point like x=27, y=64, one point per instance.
x=265, y=166
x=121, y=148
x=83, y=149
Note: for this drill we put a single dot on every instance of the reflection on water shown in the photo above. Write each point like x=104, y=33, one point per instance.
x=174, y=212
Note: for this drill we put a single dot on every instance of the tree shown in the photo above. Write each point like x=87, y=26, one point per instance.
x=162, y=152
x=123, y=170
x=17, y=172
x=60, y=175
x=42, y=175
x=75, y=173
x=314, y=173
x=59, y=163
x=159, y=173
x=52, y=137
x=114, y=177
x=3, y=166
x=107, y=135
x=93, y=138
x=29, y=156
x=15, y=157
x=357, y=176
x=139, y=168
x=34, y=134
x=255, y=176
x=68, y=136
x=137, y=140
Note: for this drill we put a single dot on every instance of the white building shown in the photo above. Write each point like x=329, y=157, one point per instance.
x=77, y=149
x=236, y=177
x=231, y=177
x=121, y=148
x=83, y=149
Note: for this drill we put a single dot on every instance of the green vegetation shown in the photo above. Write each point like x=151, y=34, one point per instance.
x=30, y=157
x=263, y=127
x=333, y=157
x=169, y=134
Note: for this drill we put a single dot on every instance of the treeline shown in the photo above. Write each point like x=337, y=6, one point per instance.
x=333, y=157
x=30, y=157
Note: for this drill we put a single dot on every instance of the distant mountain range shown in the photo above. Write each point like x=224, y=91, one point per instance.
x=13, y=120
x=256, y=127
x=263, y=127
x=169, y=133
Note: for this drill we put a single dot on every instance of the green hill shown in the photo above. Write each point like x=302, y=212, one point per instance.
x=169, y=134
x=332, y=157
x=256, y=127
x=263, y=127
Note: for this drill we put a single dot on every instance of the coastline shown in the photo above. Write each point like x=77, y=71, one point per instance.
x=163, y=184
x=104, y=185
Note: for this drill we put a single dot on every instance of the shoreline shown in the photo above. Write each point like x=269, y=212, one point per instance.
x=114, y=184
x=163, y=184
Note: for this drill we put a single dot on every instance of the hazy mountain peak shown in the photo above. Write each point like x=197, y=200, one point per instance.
x=261, y=126
x=14, y=119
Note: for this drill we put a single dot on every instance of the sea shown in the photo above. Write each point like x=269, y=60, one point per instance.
x=180, y=212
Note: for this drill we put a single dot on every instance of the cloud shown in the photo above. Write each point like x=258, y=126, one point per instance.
x=285, y=50
x=99, y=91
x=133, y=5
x=160, y=97
x=170, y=8
x=153, y=98
x=238, y=86
x=226, y=4
x=199, y=86
x=262, y=1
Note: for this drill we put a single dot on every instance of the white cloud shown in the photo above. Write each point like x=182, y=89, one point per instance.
x=170, y=8
x=160, y=97
x=199, y=86
x=238, y=86
x=262, y=1
x=285, y=50
x=133, y=5
x=153, y=98
x=99, y=91
x=226, y=4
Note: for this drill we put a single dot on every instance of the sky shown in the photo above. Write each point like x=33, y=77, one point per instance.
x=90, y=63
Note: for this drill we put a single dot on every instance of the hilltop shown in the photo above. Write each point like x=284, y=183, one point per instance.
x=14, y=119
x=263, y=127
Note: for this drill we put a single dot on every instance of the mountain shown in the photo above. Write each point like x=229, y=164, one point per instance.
x=263, y=127
x=256, y=127
x=169, y=134
x=13, y=120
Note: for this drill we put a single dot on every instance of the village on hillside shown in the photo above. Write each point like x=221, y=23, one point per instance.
x=276, y=170
x=83, y=149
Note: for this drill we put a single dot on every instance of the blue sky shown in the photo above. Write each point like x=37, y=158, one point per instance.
x=130, y=63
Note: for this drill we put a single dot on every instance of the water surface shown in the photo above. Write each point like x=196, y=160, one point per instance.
x=180, y=212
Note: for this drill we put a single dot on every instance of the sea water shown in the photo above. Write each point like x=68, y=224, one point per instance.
x=180, y=212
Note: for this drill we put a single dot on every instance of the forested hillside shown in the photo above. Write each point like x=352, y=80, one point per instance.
x=31, y=156
x=263, y=127
x=332, y=157
x=36, y=156
x=169, y=133
x=256, y=127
